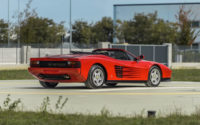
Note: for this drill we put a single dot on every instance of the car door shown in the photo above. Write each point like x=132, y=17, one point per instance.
x=128, y=69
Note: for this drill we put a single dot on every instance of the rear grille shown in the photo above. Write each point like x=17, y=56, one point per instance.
x=119, y=71
x=56, y=64
x=53, y=64
x=54, y=77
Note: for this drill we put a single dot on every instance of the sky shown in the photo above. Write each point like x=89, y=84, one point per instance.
x=165, y=12
x=86, y=10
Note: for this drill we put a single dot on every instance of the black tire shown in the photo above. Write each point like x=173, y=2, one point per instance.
x=111, y=84
x=154, y=77
x=48, y=84
x=95, y=80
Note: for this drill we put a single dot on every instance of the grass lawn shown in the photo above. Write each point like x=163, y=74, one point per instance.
x=186, y=75
x=15, y=75
x=177, y=75
x=40, y=118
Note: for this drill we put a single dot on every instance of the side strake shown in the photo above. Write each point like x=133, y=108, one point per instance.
x=127, y=72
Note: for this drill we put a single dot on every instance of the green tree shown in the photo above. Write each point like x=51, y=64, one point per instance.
x=86, y=33
x=40, y=30
x=163, y=32
x=35, y=29
x=148, y=29
x=3, y=31
x=103, y=30
x=187, y=35
x=82, y=33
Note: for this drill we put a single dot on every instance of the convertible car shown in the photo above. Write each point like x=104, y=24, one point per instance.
x=96, y=68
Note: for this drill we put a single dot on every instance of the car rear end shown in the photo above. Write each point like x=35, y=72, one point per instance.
x=56, y=69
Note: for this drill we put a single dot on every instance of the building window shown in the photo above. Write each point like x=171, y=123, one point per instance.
x=195, y=24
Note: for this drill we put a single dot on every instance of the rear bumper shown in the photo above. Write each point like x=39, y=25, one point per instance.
x=57, y=74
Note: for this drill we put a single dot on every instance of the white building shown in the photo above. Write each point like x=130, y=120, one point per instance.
x=196, y=26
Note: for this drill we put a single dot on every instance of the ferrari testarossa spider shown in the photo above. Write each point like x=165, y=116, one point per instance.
x=101, y=66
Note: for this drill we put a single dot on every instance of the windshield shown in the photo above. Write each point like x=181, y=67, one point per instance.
x=116, y=54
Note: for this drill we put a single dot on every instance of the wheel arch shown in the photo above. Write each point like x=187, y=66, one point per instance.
x=156, y=65
x=149, y=82
x=102, y=66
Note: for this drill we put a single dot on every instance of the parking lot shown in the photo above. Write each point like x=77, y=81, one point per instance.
x=124, y=99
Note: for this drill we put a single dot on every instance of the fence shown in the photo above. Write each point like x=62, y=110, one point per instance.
x=186, y=54
x=161, y=53
x=15, y=54
x=158, y=53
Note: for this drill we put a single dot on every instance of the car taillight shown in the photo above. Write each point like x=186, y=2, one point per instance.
x=35, y=64
x=73, y=64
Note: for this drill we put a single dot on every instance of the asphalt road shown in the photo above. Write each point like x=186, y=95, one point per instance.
x=124, y=99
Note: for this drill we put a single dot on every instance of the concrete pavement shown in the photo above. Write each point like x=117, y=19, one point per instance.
x=124, y=99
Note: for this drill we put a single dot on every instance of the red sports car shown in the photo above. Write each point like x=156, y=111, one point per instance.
x=101, y=66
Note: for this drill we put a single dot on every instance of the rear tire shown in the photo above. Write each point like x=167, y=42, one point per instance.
x=154, y=77
x=96, y=77
x=111, y=84
x=48, y=84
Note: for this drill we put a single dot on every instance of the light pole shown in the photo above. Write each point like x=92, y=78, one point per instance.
x=8, y=22
x=18, y=35
x=70, y=23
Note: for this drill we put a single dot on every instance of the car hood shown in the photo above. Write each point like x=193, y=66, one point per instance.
x=152, y=62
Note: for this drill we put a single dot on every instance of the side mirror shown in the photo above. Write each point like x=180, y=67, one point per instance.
x=141, y=57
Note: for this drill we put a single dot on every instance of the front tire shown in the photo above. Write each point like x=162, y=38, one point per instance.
x=96, y=77
x=48, y=84
x=154, y=77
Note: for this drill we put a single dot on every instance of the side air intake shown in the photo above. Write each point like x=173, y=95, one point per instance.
x=119, y=71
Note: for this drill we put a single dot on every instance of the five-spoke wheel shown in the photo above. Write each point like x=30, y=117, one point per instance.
x=96, y=77
x=154, y=77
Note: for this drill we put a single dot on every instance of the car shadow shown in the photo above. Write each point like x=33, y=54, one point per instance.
x=83, y=87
